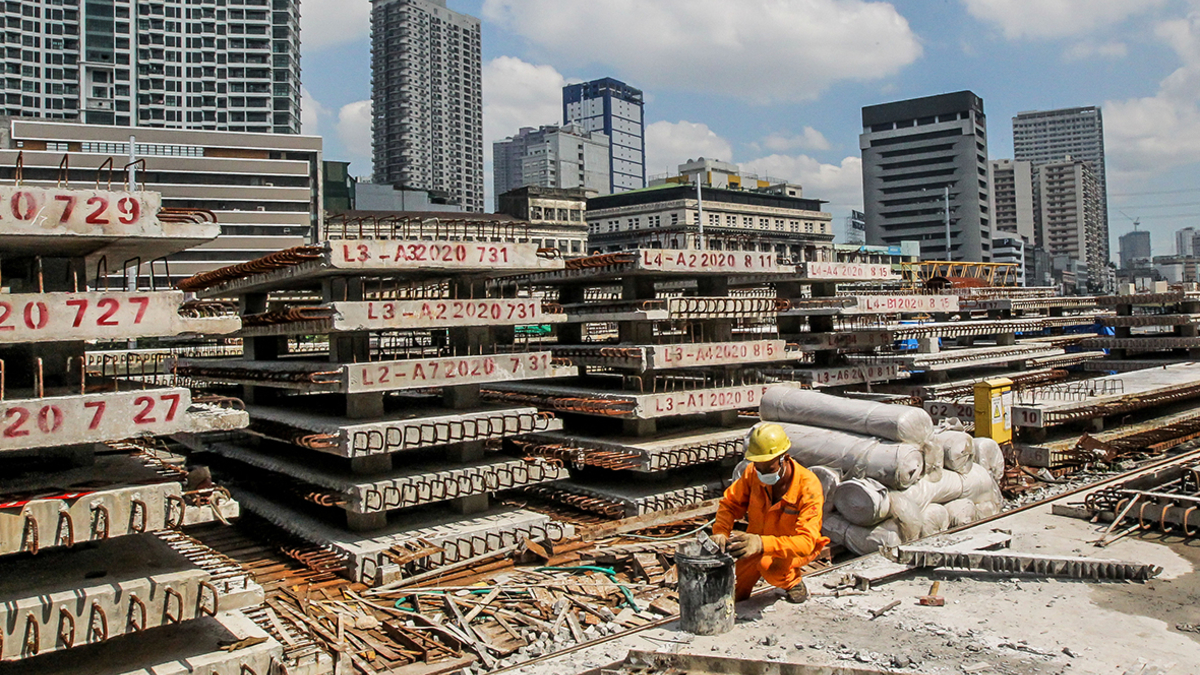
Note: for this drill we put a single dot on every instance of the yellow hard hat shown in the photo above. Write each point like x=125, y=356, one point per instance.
x=767, y=441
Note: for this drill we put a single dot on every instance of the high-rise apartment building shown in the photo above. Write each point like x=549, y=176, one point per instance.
x=1047, y=136
x=913, y=153
x=563, y=157
x=1135, y=249
x=1185, y=241
x=220, y=65
x=427, y=95
x=614, y=109
x=1069, y=222
x=1012, y=198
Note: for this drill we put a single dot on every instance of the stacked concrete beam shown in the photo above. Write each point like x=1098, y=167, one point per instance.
x=379, y=434
x=90, y=559
x=1151, y=329
x=655, y=411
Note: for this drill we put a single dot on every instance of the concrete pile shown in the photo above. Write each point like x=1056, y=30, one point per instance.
x=890, y=476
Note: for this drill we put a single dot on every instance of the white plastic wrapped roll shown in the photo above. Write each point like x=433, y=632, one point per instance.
x=961, y=511
x=935, y=519
x=802, y=406
x=935, y=457
x=862, y=501
x=830, y=479
x=896, y=465
x=989, y=454
x=957, y=449
x=907, y=507
x=983, y=490
x=861, y=540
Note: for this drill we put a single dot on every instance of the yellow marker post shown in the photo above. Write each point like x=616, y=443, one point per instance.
x=993, y=409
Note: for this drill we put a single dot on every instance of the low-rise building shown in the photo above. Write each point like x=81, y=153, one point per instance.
x=722, y=215
x=265, y=189
x=555, y=216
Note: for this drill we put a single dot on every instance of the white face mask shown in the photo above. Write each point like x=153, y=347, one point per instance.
x=770, y=478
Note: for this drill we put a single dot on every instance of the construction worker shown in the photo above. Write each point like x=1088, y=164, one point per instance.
x=782, y=503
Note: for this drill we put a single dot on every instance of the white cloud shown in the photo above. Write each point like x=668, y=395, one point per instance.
x=838, y=184
x=1155, y=133
x=311, y=113
x=354, y=132
x=1055, y=18
x=326, y=23
x=518, y=94
x=809, y=139
x=765, y=50
x=1083, y=51
x=669, y=144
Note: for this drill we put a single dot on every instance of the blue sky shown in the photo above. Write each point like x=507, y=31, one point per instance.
x=777, y=85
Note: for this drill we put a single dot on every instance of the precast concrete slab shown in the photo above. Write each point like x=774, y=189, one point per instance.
x=609, y=268
x=627, y=499
x=380, y=315
x=874, y=304
x=690, y=308
x=657, y=453
x=118, y=225
x=838, y=376
x=418, y=483
x=54, y=421
x=369, y=557
x=191, y=648
x=234, y=584
x=138, y=362
x=1128, y=365
x=845, y=340
x=623, y=405
x=1109, y=395
x=377, y=376
x=102, y=315
x=1066, y=360
x=62, y=599
x=1150, y=320
x=966, y=387
x=673, y=356
x=955, y=359
x=1148, y=299
x=307, y=267
x=1028, y=304
x=409, y=428
x=1143, y=343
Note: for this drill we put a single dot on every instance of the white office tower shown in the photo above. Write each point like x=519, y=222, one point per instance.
x=220, y=65
x=554, y=157
x=427, y=94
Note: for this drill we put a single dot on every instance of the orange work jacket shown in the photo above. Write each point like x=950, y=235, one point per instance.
x=791, y=527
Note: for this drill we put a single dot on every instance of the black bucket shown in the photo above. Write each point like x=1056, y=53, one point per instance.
x=706, y=583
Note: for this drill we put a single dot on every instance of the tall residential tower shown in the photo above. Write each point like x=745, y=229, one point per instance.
x=614, y=109
x=220, y=65
x=916, y=153
x=1041, y=137
x=427, y=96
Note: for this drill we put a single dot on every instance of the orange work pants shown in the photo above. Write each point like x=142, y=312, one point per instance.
x=779, y=572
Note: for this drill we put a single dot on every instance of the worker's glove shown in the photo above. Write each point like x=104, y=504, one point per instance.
x=720, y=540
x=745, y=544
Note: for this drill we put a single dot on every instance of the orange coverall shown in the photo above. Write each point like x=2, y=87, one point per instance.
x=790, y=528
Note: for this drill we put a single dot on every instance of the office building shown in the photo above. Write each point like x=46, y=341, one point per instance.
x=1069, y=222
x=1010, y=250
x=913, y=153
x=564, y=157
x=769, y=218
x=555, y=216
x=1012, y=198
x=427, y=98
x=1135, y=249
x=265, y=189
x=228, y=66
x=856, y=228
x=1041, y=137
x=1185, y=241
x=614, y=109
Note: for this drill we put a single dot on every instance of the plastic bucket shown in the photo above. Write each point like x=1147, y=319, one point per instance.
x=706, y=585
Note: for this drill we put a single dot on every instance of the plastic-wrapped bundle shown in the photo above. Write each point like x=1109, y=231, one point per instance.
x=989, y=454
x=982, y=489
x=861, y=540
x=961, y=511
x=802, y=406
x=830, y=480
x=908, y=506
x=935, y=519
x=896, y=465
x=957, y=449
x=934, y=458
x=862, y=501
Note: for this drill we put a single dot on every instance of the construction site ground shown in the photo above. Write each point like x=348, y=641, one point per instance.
x=989, y=624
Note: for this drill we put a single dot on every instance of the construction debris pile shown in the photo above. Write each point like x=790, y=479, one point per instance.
x=889, y=475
